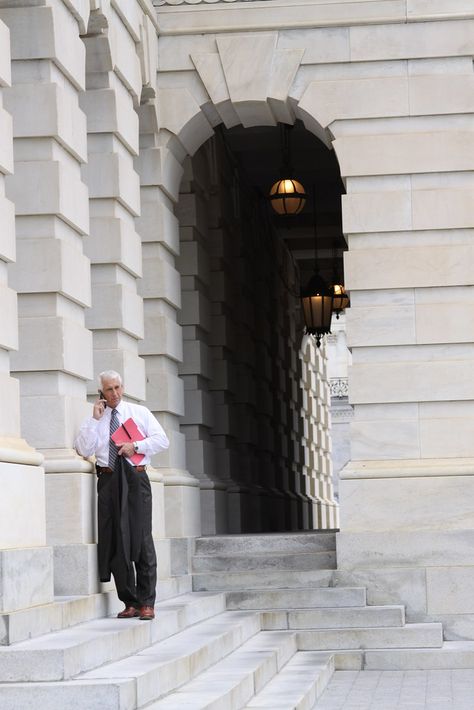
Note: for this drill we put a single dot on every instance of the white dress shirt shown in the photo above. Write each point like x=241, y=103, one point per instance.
x=94, y=434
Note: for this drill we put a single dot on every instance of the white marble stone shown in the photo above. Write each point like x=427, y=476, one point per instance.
x=231, y=18
x=60, y=344
x=113, y=240
x=25, y=577
x=60, y=115
x=326, y=45
x=111, y=111
x=381, y=325
x=404, y=504
x=111, y=175
x=75, y=569
x=449, y=590
x=158, y=166
x=407, y=267
x=377, y=212
x=40, y=187
x=330, y=100
x=162, y=335
x=408, y=153
x=63, y=268
x=39, y=24
x=425, y=380
x=70, y=508
x=441, y=94
x=124, y=54
x=5, y=67
x=442, y=209
x=396, y=439
x=160, y=278
x=401, y=41
x=9, y=323
x=182, y=509
x=22, y=517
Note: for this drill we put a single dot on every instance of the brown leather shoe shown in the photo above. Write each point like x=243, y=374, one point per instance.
x=147, y=613
x=128, y=613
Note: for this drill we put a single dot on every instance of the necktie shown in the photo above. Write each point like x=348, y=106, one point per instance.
x=114, y=425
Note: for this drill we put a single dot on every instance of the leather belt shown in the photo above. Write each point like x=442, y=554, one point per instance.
x=106, y=469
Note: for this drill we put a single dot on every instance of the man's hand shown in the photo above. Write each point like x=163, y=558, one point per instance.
x=99, y=408
x=126, y=450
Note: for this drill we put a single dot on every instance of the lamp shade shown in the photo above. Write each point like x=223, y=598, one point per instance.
x=340, y=299
x=287, y=196
x=317, y=304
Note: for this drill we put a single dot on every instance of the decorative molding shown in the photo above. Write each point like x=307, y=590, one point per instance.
x=248, y=79
x=158, y=3
x=342, y=415
x=339, y=387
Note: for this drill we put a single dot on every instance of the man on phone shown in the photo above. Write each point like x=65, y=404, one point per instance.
x=135, y=587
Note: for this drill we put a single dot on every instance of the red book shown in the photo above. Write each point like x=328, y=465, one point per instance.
x=127, y=432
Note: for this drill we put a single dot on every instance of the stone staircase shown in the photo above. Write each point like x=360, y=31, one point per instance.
x=267, y=634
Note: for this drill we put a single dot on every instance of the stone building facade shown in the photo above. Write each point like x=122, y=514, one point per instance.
x=116, y=253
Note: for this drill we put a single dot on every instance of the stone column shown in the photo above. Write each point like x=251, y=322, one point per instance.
x=26, y=563
x=195, y=317
x=162, y=348
x=51, y=274
x=316, y=441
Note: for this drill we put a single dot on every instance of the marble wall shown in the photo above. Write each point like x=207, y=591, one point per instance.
x=101, y=104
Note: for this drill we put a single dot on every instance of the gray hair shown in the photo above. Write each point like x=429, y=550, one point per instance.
x=109, y=375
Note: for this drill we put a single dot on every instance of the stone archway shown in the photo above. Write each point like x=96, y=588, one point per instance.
x=256, y=404
x=187, y=115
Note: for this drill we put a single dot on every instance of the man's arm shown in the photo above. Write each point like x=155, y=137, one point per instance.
x=86, y=441
x=155, y=439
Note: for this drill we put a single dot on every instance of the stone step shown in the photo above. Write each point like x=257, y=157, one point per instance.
x=297, y=598
x=298, y=685
x=232, y=581
x=339, y=618
x=232, y=682
x=453, y=654
x=429, y=635
x=144, y=677
x=63, y=613
x=325, y=560
x=63, y=654
x=266, y=543
x=67, y=611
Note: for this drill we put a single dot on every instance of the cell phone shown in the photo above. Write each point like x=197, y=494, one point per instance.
x=101, y=395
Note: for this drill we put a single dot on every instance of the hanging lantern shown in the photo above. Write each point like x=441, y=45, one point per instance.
x=340, y=299
x=317, y=303
x=287, y=196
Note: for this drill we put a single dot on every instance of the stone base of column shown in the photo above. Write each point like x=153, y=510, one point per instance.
x=71, y=522
x=26, y=564
x=26, y=578
x=182, y=504
x=213, y=508
x=70, y=498
x=407, y=534
x=76, y=570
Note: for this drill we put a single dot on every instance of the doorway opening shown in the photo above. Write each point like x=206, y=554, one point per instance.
x=257, y=393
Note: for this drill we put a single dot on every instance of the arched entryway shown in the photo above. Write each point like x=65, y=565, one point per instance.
x=257, y=402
